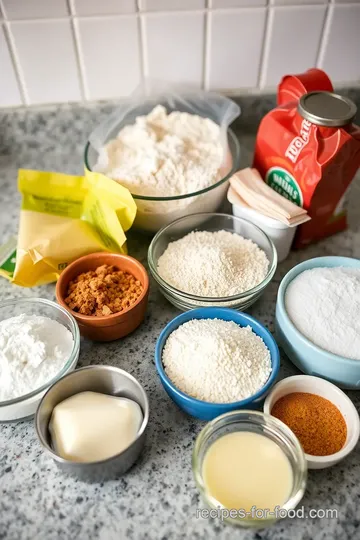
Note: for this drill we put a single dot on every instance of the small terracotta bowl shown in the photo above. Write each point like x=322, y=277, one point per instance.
x=116, y=325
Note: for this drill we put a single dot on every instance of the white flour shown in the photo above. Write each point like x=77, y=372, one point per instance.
x=215, y=264
x=163, y=155
x=33, y=349
x=216, y=361
x=324, y=305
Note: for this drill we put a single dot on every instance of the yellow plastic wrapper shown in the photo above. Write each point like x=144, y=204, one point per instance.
x=65, y=217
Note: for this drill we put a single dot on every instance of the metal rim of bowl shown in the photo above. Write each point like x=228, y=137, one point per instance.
x=285, y=282
x=348, y=447
x=75, y=351
x=234, y=167
x=143, y=426
x=275, y=362
x=281, y=428
x=204, y=299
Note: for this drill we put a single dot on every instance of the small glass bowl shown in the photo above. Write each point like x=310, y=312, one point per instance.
x=25, y=406
x=210, y=222
x=263, y=424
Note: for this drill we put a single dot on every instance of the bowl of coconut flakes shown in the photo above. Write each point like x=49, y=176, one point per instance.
x=213, y=361
x=211, y=259
x=175, y=154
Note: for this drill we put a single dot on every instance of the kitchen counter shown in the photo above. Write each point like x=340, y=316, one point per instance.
x=157, y=498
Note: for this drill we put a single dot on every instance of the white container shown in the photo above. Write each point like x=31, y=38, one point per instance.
x=327, y=390
x=282, y=235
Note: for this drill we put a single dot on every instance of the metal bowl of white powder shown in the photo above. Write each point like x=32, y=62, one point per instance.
x=212, y=259
x=318, y=319
x=39, y=343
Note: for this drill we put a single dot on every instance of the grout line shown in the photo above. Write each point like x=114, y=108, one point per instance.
x=71, y=7
x=3, y=10
x=264, y=57
x=144, y=55
x=78, y=53
x=141, y=45
x=325, y=35
x=20, y=78
x=150, y=13
x=206, y=51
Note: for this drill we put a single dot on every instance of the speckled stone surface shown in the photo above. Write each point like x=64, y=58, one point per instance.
x=157, y=499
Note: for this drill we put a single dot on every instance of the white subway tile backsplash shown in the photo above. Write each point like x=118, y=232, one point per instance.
x=9, y=90
x=104, y=7
x=169, y=5
x=293, y=41
x=34, y=9
x=236, y=3
x=46, y=53
x=341, y=57
x=112, y=60
x=70, y=50
x=235, y=48
x=174, y=47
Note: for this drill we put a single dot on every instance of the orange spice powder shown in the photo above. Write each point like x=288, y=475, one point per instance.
x=317, y=423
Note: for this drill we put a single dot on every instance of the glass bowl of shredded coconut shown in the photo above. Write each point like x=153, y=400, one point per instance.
x=212, y=259
x=39, y=343
x=175, y=156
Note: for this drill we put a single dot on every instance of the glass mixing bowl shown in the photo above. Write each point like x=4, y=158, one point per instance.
x=210, y=222
x=26, y=405
x=156, y=212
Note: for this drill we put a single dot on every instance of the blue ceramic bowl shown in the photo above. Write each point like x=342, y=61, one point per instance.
x=202, y=409
x=306, y=356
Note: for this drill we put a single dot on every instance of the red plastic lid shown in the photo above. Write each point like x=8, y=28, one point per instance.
x=292, y=87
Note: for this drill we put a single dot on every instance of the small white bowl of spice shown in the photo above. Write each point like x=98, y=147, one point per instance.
x=321, y=415
x=39, y=343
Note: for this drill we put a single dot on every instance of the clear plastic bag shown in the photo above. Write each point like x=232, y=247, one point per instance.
x=154, y=212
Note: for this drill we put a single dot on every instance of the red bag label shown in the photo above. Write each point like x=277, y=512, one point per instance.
x=310, y=165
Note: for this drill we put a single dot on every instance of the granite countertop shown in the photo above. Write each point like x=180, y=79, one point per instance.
x=157, y=498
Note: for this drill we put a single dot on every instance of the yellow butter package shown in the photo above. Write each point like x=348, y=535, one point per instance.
x=65, y=217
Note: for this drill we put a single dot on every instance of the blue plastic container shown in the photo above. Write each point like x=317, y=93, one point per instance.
x=306, y=356
x=202, y=409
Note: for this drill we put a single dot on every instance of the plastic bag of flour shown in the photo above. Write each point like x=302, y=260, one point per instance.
x=189, y=171
x=218, y=108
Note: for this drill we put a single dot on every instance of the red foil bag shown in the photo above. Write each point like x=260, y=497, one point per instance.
x=309, y=164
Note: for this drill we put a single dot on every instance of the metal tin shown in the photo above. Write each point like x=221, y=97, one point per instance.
x=326, y=109
x=292, y=87
x=106, y=380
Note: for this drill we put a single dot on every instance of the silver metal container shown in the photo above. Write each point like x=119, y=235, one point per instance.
x=106, y=380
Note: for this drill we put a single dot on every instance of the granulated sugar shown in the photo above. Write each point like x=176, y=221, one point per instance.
x=324, y=305
x=216, y=361
x=213, y=264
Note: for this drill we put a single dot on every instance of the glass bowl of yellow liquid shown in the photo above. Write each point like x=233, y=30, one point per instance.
x=250, y=469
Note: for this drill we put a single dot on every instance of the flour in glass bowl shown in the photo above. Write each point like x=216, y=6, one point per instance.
x=33, y=350
x=164, y=155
